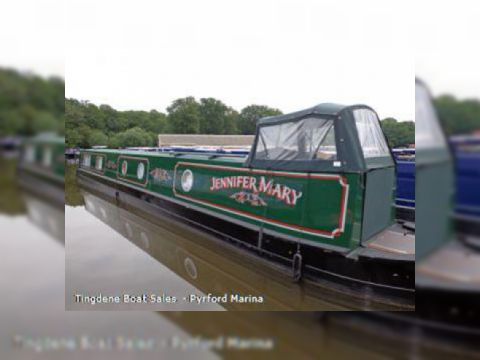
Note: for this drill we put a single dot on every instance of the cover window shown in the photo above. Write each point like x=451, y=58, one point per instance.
x=428, y=134
x=306, y=139
x=370, y=134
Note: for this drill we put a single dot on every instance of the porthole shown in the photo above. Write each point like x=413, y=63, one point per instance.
x=30, y=154
x=187, y=180
x=140, y=171
x=145, y=240
x=124, y=167
x=86, y=160
x=190, y=268
x=47, y=157
x=129, y=230
x=99, y=163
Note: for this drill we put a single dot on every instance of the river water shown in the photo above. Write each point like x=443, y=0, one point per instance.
x=35, y=278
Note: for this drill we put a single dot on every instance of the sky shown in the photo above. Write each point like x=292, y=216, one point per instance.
x=32, y=36
x=447, y=51
x=289, y=54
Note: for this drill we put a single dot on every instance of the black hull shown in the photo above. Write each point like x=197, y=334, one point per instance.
x=405, y=214
x=384, y=281
x=418, y=336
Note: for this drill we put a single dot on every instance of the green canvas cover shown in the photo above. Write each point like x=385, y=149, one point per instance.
x=434, y=178
x=335, y=124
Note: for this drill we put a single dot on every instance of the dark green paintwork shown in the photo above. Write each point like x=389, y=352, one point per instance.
x=48, y=158
x=379, y=201
x=314, y=218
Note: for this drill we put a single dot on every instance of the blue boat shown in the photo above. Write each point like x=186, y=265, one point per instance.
x=466, y=150
x=467, y=168
x=405, y=198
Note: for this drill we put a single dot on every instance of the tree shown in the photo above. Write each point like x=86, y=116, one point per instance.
x=184, y=116
x=157, y=122
x=458, y=116
x=97, y=137
x=230, y=126
x=45, y=121
x=132, y=138
x=247, y=120
x=398, y=134
x=72, y=138
x=212, y=116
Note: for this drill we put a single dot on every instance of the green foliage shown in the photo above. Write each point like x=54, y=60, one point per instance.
x=458, y=116
x=88, y=125
x=399, y=134
x=73, y=196
x=216, y=117
x=11, y=202
x=132, y=137
x=184, y=116
x=30, y=103
x=97, y=137
x=249, y=116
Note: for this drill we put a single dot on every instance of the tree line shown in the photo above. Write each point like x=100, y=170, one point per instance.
x=88, y=124
x=30, y=104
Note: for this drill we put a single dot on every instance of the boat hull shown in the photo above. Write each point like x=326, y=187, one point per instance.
x=389, y=281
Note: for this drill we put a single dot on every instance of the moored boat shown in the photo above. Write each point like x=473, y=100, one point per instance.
x=405, y=195
x=316, y=193
x=42, y=167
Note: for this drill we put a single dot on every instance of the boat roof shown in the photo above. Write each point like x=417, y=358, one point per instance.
x=326, y=109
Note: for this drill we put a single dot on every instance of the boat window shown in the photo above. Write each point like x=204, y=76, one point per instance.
x=30, y=154
x=86, y=160
x=306, y=139
x=428, y=134
x=370, y=134
x=47, y=157
x=99, y=162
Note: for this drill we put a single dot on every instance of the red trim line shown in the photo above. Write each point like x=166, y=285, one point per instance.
x=341, y=179
x=301, y=228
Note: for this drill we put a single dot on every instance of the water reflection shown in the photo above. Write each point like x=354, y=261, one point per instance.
x=34, y=323
x=189, y=261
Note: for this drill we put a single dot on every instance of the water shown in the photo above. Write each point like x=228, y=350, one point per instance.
x=115, y=251
x=35, y=325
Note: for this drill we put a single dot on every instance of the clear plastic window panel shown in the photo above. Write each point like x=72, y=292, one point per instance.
x=428, y=134
x=307, y=139
x=370, y=134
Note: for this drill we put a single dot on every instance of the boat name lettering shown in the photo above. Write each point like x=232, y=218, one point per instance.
x=111, y=165
x=260, y=185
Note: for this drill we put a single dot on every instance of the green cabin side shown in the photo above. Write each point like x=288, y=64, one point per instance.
x=44, y=155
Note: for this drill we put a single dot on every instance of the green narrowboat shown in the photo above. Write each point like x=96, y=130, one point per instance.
x=316, y=191
x=41, y=167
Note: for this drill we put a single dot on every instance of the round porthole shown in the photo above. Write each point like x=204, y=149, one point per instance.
x=190, y=268
x=124, y=167
x=140, y=171
x=187, y=180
